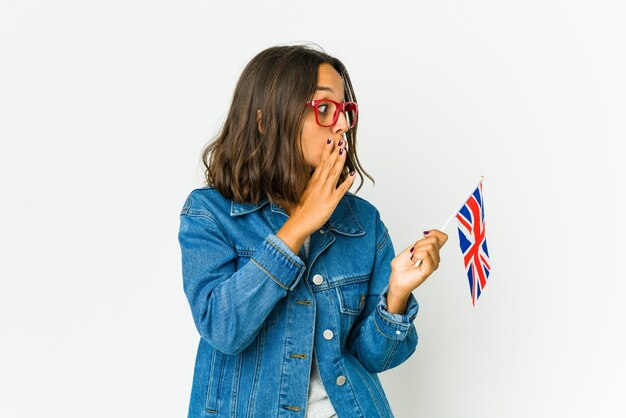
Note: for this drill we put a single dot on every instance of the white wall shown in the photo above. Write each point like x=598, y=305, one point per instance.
x=104, y=108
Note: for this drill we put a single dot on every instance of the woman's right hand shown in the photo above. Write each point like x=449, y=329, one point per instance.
x=320, y=197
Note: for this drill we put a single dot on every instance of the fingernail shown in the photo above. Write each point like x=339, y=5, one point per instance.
x=328, y=141
x=412, y=248
x=352, y=173
x=425, y=232
x=340, y=142
x=340, y=151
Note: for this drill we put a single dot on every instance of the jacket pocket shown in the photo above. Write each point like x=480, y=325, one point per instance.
x=352, y=293
x=215, y=381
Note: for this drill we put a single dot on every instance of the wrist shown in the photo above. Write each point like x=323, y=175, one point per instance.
x=396, y=300
x=290, y=234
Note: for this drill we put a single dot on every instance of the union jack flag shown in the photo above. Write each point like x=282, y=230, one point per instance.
x=471, y=225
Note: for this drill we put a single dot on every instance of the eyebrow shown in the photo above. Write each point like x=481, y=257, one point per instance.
x=324, y=88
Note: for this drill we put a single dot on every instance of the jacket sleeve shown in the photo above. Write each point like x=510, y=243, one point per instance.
x=229, y=306
x=381, y=340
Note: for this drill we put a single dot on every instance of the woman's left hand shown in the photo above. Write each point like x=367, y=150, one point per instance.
x=405, y=276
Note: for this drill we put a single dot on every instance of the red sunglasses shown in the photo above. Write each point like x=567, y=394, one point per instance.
x=327, y=111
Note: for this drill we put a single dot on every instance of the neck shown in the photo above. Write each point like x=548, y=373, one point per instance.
x=286, y=207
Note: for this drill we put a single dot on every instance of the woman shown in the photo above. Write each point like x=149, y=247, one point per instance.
x=292, y=280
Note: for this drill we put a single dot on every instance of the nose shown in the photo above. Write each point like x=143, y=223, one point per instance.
x=342, y=124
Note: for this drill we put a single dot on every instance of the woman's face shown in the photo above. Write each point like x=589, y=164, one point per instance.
x=329, y=86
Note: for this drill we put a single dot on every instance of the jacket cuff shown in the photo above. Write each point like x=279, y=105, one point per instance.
x=279, y=262
x=393, y=325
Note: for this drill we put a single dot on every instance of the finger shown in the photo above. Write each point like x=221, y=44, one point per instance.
x=442, y=237
x=430, y=246
x=345, y=186
x=409, y=249
x=427, y=261
x=404, y=256
x=330, y=145
x=429, y=264
x=433, y=251
x=329, y=157
x=426, y=241
x=338, y=160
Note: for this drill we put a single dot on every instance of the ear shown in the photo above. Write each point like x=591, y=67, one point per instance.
x=258, y=121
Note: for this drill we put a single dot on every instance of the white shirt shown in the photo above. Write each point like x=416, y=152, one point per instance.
x=318, y=403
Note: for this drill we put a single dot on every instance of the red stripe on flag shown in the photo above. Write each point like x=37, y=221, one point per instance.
x=485, y=262
x=464, y=223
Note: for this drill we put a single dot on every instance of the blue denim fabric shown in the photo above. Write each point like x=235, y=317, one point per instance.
x=260, y=308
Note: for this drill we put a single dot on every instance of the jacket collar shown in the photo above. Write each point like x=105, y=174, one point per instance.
x=343, y=220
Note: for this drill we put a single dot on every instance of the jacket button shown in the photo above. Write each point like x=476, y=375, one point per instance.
x=341, y=380
x=321, y=231
x=318, y=279
x=328, y=334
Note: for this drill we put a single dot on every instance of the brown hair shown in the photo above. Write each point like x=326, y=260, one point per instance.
x=244, y=164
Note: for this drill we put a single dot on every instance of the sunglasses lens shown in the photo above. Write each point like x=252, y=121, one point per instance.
x=351, y=112
x=325, y=112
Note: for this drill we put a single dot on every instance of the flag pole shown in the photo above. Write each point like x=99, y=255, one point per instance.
x=461, y=205
x=456, y=211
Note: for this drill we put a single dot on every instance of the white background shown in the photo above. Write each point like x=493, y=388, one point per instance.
x=104, y=109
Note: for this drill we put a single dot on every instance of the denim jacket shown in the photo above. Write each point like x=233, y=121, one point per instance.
x=260, y=309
